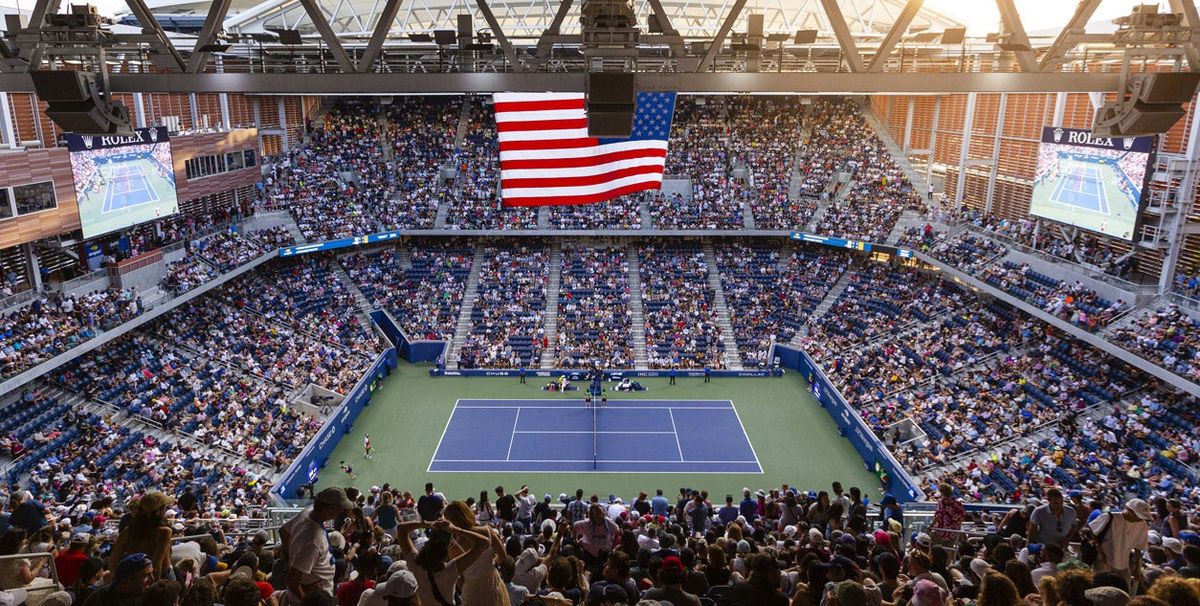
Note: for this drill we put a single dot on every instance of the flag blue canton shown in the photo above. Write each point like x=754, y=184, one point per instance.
x=652, y=119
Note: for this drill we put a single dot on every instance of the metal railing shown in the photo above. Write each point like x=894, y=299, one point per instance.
x=1090, y=271
x=36, y=587
x=72, y=284
x=22, y=297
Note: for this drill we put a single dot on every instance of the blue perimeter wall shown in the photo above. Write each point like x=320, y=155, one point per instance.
x=316, y=455
x=874, y=454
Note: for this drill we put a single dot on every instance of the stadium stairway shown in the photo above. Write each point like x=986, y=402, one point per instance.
x=906, y=167
x=385, y=141
x=550, y=317
x=824, y=306
x=360, y=301
x=464, y=125
x=443, y=211
x=637, y=311
x=907, y=219
x=405, y=259
x=748, y=218
x=822, y=206
x=543, y=217
x=733, y=358
x=644, y=209
x=470, y=293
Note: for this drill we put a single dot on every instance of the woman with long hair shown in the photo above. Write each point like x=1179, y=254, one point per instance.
x=387, y=515
x=1018, y=572
x=435, y=569
x=482, y=584
x=145, y=530
x=997, y=590
x=485, y=514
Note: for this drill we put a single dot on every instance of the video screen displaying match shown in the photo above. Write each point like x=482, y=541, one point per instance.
x=122, y=180
x=1095, y=183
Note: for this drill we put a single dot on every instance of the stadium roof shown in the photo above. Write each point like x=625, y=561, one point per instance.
x=692, y=18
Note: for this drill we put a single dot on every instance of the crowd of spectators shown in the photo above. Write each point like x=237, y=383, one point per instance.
x=51, y=325
x=186, y=274
x=1167, y=336
x=770, y=547
x=764, y=135
x=699, y=150
x=476, y=202
x=967, y=251
x=593, y=309
x=771, y=293
x=841, y=141
x=307, y=296
x=680, y=318
x=229, y=249
x=878, y=301
x=424, y=297
x=623, y=212
x=422, y=133
x=506, y=319
x=1070, y=301
x=336, y=185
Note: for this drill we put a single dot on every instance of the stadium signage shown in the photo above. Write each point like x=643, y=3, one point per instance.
x=1084, y=138
x=141, y=136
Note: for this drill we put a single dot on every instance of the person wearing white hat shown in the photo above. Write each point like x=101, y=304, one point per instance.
x=398, y=589
x=1123, y=538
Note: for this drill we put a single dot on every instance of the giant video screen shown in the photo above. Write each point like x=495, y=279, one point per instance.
x=1095, y=183
x=122, y=180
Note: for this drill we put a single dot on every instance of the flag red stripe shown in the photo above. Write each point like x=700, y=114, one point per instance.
x=545, y=145
x=518, y=126
x=539, y=106
x=580, y=199
x=585, y=160
x=548, y=182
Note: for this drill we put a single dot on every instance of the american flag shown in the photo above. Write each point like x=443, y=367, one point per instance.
x=548, y=159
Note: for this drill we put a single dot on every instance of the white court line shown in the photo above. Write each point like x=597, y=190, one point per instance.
x=589, y=432
x=747, y=436
x=589, y=461
x=609, y=408
x=443, y=436
x=516, y=417
x=671, y=411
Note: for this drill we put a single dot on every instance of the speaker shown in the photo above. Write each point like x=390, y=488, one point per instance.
x=611, y=102
x=954, y=35
x=1156, y=103
x=75, y=103
x=806, y=36
x=1172, y=87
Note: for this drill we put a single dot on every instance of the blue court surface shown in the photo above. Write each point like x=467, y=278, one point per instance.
x=128, y=186
x=1081, y=187
x=630, y=436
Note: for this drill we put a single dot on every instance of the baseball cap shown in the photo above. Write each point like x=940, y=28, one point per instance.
x=153, y=501
x=80, y=539
x=131, y=564
x=399, y=584
x=1173, y=544
x=334, y=496
x=1107, y=596
x=672, y=562
x=1140, y=508
x=924, y=540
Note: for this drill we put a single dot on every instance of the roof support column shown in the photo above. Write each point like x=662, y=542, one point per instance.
x=991, y=190
x=964, y=149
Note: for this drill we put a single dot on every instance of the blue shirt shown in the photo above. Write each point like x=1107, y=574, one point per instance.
x=727, y=514
x=749, y=508
x=659, y=505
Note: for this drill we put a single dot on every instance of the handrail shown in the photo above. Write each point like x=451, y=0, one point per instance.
x=16, y=299
x=50, y=566
x=81, y=280
x=1094, y=272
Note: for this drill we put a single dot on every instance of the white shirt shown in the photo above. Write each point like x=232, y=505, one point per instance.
x=307, y=548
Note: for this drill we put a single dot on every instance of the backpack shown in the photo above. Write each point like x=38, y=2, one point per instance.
x=1089, y=543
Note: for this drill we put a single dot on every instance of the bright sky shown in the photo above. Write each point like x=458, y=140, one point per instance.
x=980, y=16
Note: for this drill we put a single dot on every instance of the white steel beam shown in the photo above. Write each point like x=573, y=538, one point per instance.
x=719, y=39
x=841, y=31
x=1065, y=40
x=911, y=8
x=1026, y=58
x=321, y=22
x=387, y=17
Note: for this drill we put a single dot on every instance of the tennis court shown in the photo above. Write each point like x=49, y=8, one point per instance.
x=127, y=186
x=627, y=436
x=1081, y=187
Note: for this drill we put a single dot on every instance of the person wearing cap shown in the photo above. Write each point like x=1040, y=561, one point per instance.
x=398, y=588
x=1053, y=522
x=304, y=546
x=148, y=532
x=1122, y=538
x=670, y=585
x=67, y=561
x=130, y=578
